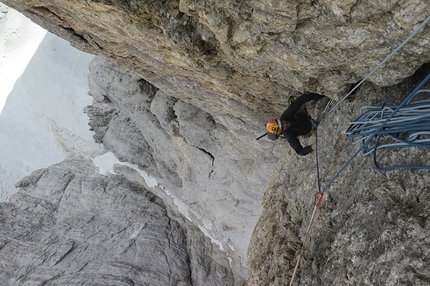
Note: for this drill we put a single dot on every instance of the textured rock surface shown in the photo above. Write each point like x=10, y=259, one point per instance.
x=242, y=55
x=168, y=130
x=372, y=228
x=220, y=70
x=68, y=225
x=209, y=162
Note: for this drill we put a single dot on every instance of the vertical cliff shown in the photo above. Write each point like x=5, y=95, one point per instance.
x=185, y=87
x=372, y=227
x=68, y=225
x=250, y=54
x=200, y=158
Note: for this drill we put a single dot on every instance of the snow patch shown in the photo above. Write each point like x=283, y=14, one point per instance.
x=213, y=240
x=19, y=40
x=44, y=90
x=105, y=163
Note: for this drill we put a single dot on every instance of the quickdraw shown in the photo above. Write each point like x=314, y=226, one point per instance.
x=318, y=198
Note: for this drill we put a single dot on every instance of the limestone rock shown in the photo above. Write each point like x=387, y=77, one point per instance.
x=208, y=160
x=68, y=225
x=174, y=130
x=248, y=52
x=372, y=226
x=197, y=82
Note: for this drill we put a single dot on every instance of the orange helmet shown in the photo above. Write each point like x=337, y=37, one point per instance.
x=274, y=126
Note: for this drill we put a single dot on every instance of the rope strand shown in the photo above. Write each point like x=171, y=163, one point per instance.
x=409, y=127
x=415, y=106
x=366, y=141
x=383, y=62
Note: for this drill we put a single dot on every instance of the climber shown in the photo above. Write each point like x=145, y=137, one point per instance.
x=294, y=122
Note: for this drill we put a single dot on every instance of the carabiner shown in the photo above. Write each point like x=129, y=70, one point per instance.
x=318, y=197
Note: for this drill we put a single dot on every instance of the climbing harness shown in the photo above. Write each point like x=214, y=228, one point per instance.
x=373, y=131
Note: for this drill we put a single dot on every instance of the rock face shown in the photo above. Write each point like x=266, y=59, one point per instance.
x=206, y=162
x=372, y=228
x=144, y=126
x=244, y=56
x=68, y=225
x=188, y=87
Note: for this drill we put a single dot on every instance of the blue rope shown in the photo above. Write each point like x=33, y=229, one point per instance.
x=383, y=62
x=367, y=139
x=378, y=130
x=407, y=126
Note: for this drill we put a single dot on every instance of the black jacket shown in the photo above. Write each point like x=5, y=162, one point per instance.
x=300, y=123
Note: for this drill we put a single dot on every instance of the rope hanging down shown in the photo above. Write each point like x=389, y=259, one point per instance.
x=316, y=204
x=366, y=141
